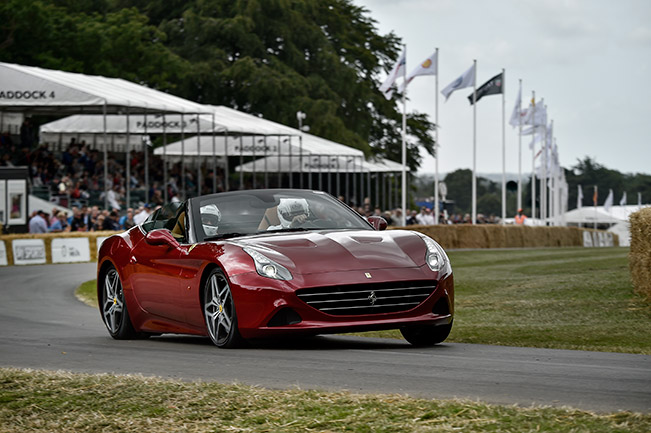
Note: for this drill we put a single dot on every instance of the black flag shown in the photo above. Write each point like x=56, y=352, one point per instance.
x=493, y=86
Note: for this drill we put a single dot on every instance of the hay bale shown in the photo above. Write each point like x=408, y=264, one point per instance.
x=640, y=255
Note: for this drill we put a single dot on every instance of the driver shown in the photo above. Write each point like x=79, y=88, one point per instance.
x=292, y=212
x=210, y=218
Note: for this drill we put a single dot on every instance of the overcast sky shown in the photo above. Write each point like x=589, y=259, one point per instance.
x=589, y=59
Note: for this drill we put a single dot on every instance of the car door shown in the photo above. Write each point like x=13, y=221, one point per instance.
x=157, y=276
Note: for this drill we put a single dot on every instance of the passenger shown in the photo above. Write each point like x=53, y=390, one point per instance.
x=292, y=212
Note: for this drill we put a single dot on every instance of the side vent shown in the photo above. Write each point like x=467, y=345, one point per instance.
x=442, y=306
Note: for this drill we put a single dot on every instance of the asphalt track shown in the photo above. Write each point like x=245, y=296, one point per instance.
x=45, y=327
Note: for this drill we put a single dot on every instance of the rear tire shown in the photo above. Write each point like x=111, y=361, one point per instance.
x=219, y=311
x=114, y=309
x=425, y=336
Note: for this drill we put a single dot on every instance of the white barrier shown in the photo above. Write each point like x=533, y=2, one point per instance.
x=3, y=254
x=68, y=250
x=598, y=239
x=28, y=251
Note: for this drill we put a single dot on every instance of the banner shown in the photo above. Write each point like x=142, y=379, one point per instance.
x=17, y=202
x=28, y=251
x=68, y=250
x=3, y=202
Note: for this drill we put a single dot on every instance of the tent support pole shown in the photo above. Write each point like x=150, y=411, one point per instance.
x=105, y=159
x=198, y=157
x=165, y=160
x=214, y=157
x=145, y=149
x=253, y=144
x=241, y=162
x=128, y=159
x=183, y=156
x=227, y=171
x=266, y=169
x=300, y=158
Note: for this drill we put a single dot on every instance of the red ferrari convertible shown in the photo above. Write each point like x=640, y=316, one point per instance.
x=250, y=264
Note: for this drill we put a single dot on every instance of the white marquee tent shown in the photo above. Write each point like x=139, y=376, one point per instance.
x=33, y=90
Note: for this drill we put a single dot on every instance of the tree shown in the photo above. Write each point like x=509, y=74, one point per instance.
x=270, y=58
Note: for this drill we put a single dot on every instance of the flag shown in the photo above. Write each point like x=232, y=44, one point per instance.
x=622, y=202
x=467, y=79
x=609, y=201
x=579, y=198
x=494, y=86
x=517, y=110
x=385, y=88
x=536, y=114
x=428, y=67
x=595, y=195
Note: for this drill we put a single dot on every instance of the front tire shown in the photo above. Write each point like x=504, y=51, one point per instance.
x=219, y=311
x=425, y=336
x=114, y=309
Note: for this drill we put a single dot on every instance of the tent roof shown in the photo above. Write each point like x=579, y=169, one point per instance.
x=46, y=91
x=316, y=164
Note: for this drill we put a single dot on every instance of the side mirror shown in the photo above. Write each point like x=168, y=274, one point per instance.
x=161, y=237
x=378, y=222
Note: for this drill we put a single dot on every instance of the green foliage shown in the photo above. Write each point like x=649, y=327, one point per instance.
x=588, y=173
x=269, y=58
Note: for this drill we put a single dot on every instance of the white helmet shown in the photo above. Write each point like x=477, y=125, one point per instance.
x=210, y=218
x=291, y=207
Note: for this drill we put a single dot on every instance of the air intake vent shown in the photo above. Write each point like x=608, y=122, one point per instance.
x=363, y=299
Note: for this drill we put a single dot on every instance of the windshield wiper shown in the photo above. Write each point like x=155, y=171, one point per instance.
x=226, y=236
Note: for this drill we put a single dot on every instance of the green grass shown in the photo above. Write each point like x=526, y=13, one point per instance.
x=41, y=401
x=560, y=298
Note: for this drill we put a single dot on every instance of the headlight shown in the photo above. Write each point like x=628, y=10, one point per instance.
x=436, y=258
x=267, y=267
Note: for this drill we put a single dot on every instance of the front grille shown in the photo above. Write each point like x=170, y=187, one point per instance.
x=362, y=299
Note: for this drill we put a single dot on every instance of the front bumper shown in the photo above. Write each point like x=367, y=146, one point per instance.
x=261, y=301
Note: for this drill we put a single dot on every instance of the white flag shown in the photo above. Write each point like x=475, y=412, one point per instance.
x=385, y=88
x=609, y=201
x=467, y=79
x=517, y=110
x=579, y=198
x=622, y=202
x=428, y=67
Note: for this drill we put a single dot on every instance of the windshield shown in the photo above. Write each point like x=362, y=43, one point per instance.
x=266, y=211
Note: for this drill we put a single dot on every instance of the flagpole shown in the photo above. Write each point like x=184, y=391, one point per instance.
x=436, y=142
x=404, y=143
x=474, y=147
x=520, y=152
x=533, y=158
x=503, y=147
x=543, y=186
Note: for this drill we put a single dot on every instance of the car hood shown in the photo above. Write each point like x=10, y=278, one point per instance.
x=323, y=251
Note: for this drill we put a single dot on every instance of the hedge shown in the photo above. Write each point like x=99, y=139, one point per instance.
x=639, y=257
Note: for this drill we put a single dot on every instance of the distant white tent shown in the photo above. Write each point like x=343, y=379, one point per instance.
x=591, y=214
